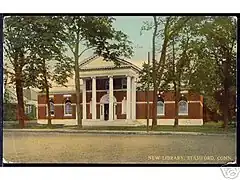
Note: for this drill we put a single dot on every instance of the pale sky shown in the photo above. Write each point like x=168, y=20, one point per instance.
x=131, y=25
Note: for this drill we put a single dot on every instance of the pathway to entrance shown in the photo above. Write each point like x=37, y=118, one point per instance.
x=104, y=107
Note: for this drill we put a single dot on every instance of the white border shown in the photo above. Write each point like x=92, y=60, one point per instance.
x=110, y=173
x=124, y=6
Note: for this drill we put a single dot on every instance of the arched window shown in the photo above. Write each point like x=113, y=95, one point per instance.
x=68, y=108
x=183, y=107
x=51, y=107
x=160, y=106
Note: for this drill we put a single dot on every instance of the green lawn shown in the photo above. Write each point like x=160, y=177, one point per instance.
x=210, y=127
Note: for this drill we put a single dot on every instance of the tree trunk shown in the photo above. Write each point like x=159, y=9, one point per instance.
x=20, y=101
x=47, y=95
x=225, y=96
x=77, y=83
x=176, y=98
x=154, y=109
x=225, y=108
x=48, y=105
x=154, y=77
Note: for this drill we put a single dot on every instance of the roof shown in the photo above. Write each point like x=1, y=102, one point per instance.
x=96, y=62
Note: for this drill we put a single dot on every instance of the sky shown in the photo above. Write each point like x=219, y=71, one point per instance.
x=131, y=25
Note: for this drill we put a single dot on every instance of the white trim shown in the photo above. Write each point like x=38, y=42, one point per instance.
x=139, y=102
x=84, y=99
x=128, y=107
x=133, y=98
x=63, y=91
x=123, y=122
x=102, y=111
x=115, y=90
x=111, y=97
x=182, y=122
x=184, y=92
x=124, y=105
x=94, y=96
x=167, y=102
x=90, y=107
x=67, y=95
x=44, y=105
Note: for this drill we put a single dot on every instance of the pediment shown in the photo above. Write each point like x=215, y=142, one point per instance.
x=98, y=62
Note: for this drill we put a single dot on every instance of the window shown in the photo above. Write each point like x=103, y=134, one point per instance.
x=160, y=108
x=68, y=108
x=51, y=108
x=124, y=83
x=183, y=107
x=28, y=109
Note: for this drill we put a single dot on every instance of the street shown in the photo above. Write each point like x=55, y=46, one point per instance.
x=34, y=147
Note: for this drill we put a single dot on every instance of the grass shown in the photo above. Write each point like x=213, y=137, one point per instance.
x=209, y=127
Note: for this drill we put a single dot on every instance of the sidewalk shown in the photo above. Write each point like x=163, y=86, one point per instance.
x=116, y=132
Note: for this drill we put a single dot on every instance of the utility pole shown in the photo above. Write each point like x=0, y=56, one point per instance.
x=148, y=79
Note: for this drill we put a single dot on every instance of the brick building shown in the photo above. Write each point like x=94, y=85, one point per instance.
x=109, y=96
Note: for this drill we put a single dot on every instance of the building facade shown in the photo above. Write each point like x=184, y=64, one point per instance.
x=109, y=96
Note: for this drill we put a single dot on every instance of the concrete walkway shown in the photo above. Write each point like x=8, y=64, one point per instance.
x=116, y=132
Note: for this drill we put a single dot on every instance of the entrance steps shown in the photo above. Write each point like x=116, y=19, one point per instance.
x=118, y=122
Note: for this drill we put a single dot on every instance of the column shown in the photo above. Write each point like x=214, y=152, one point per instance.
x=134, y=98
x=110, y=98
x=94, y=98
x=84, y=100
x=128, y=97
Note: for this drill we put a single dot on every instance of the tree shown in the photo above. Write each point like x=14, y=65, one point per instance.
x=94, y=33
x=48, y=60
x=217, y=70
x=17, y=37
x=165, y=29
x=9, y=110
x=181, y=61
x=31, y=42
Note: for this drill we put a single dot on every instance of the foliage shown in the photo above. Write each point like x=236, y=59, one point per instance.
x=9, y=108
x=31, y=45
x=96, y=33
x=201, y=44
x=218, y=43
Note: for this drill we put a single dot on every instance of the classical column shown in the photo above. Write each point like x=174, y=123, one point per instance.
x=94, y=98
x=128, y=97
x=134, y=98
x=84, y=100
x=110, y=98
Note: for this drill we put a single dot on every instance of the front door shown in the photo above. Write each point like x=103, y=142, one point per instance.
x=106, y=112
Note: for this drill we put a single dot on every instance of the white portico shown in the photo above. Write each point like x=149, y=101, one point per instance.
x=94, y=70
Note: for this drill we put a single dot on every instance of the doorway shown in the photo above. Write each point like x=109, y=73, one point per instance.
x=106, y=112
